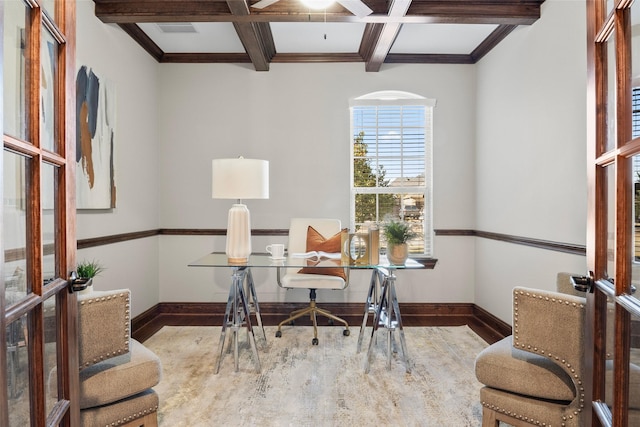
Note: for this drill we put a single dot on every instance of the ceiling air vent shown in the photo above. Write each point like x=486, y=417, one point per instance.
x=178, y=27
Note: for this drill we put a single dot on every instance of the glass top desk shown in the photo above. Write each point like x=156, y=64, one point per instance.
x=382, y=300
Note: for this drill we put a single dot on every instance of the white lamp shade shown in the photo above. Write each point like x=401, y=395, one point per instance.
x=240, y=179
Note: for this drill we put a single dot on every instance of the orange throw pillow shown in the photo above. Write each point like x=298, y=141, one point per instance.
x=317, y=242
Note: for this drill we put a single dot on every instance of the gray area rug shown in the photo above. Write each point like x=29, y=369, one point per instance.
x=324, y=385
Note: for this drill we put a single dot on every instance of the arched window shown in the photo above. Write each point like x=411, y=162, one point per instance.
x=391, y=163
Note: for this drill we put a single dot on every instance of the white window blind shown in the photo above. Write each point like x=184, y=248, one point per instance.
x=391, y=163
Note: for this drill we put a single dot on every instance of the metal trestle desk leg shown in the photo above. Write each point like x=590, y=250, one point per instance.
x=371, y=306
x=388, y=316
x=238, y=315
x=254, y=306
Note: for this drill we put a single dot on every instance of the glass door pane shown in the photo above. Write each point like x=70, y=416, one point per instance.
x=635, y=51
x=14, y=72
x=50, y=352
x=609, y=330
x=18, y=373
x=635, y=75
x=610, y=143
x=15, y=227
x=610, y=182
x=635, y=261
x=48, y=189
x=634, y=372
x=48, y=90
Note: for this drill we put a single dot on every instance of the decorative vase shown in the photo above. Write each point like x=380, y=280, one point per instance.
x=397, y=253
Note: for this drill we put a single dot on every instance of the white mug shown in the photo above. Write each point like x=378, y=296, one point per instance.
x=276, y=250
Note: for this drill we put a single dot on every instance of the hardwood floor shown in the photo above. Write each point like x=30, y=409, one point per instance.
x=483, y=323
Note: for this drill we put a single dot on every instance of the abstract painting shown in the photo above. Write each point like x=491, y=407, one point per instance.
x=95, y=141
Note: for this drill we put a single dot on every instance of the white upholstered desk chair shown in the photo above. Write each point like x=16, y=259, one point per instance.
x=293, y=279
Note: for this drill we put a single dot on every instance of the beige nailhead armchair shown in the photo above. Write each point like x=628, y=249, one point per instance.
x=536, y=376
x=117, y=373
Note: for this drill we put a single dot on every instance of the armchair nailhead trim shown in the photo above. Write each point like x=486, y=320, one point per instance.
x=133, y=417
x=517, y=416
x=568, y=366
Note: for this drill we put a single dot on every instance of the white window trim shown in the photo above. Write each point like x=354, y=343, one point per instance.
x=385, y=98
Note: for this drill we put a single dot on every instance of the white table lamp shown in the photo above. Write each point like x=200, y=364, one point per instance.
x=239, y=179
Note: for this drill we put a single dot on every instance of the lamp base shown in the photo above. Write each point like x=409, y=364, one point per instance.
x=238, y=234
x=237, y=261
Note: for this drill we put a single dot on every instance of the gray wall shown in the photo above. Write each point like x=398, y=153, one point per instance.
x=531, y=154
x=114, y=57
x=297, y=117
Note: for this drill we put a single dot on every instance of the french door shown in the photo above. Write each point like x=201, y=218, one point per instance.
x=38, y=353
x=613, y=235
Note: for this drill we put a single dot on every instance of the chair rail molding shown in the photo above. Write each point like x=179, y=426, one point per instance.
x=570, y=248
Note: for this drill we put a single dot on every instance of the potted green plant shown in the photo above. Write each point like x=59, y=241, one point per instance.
x=397, y=234
x=86, y=271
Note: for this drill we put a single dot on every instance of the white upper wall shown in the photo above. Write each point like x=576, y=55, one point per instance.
x=531, y=121
x=113, y=56
x=297, y=117
x=531, y=153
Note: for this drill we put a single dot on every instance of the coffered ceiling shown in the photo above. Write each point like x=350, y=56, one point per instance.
x=268, y=31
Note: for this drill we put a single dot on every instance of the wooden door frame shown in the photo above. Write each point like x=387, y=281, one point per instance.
x=70, y=380
x=601, y=26
x=66, y=411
